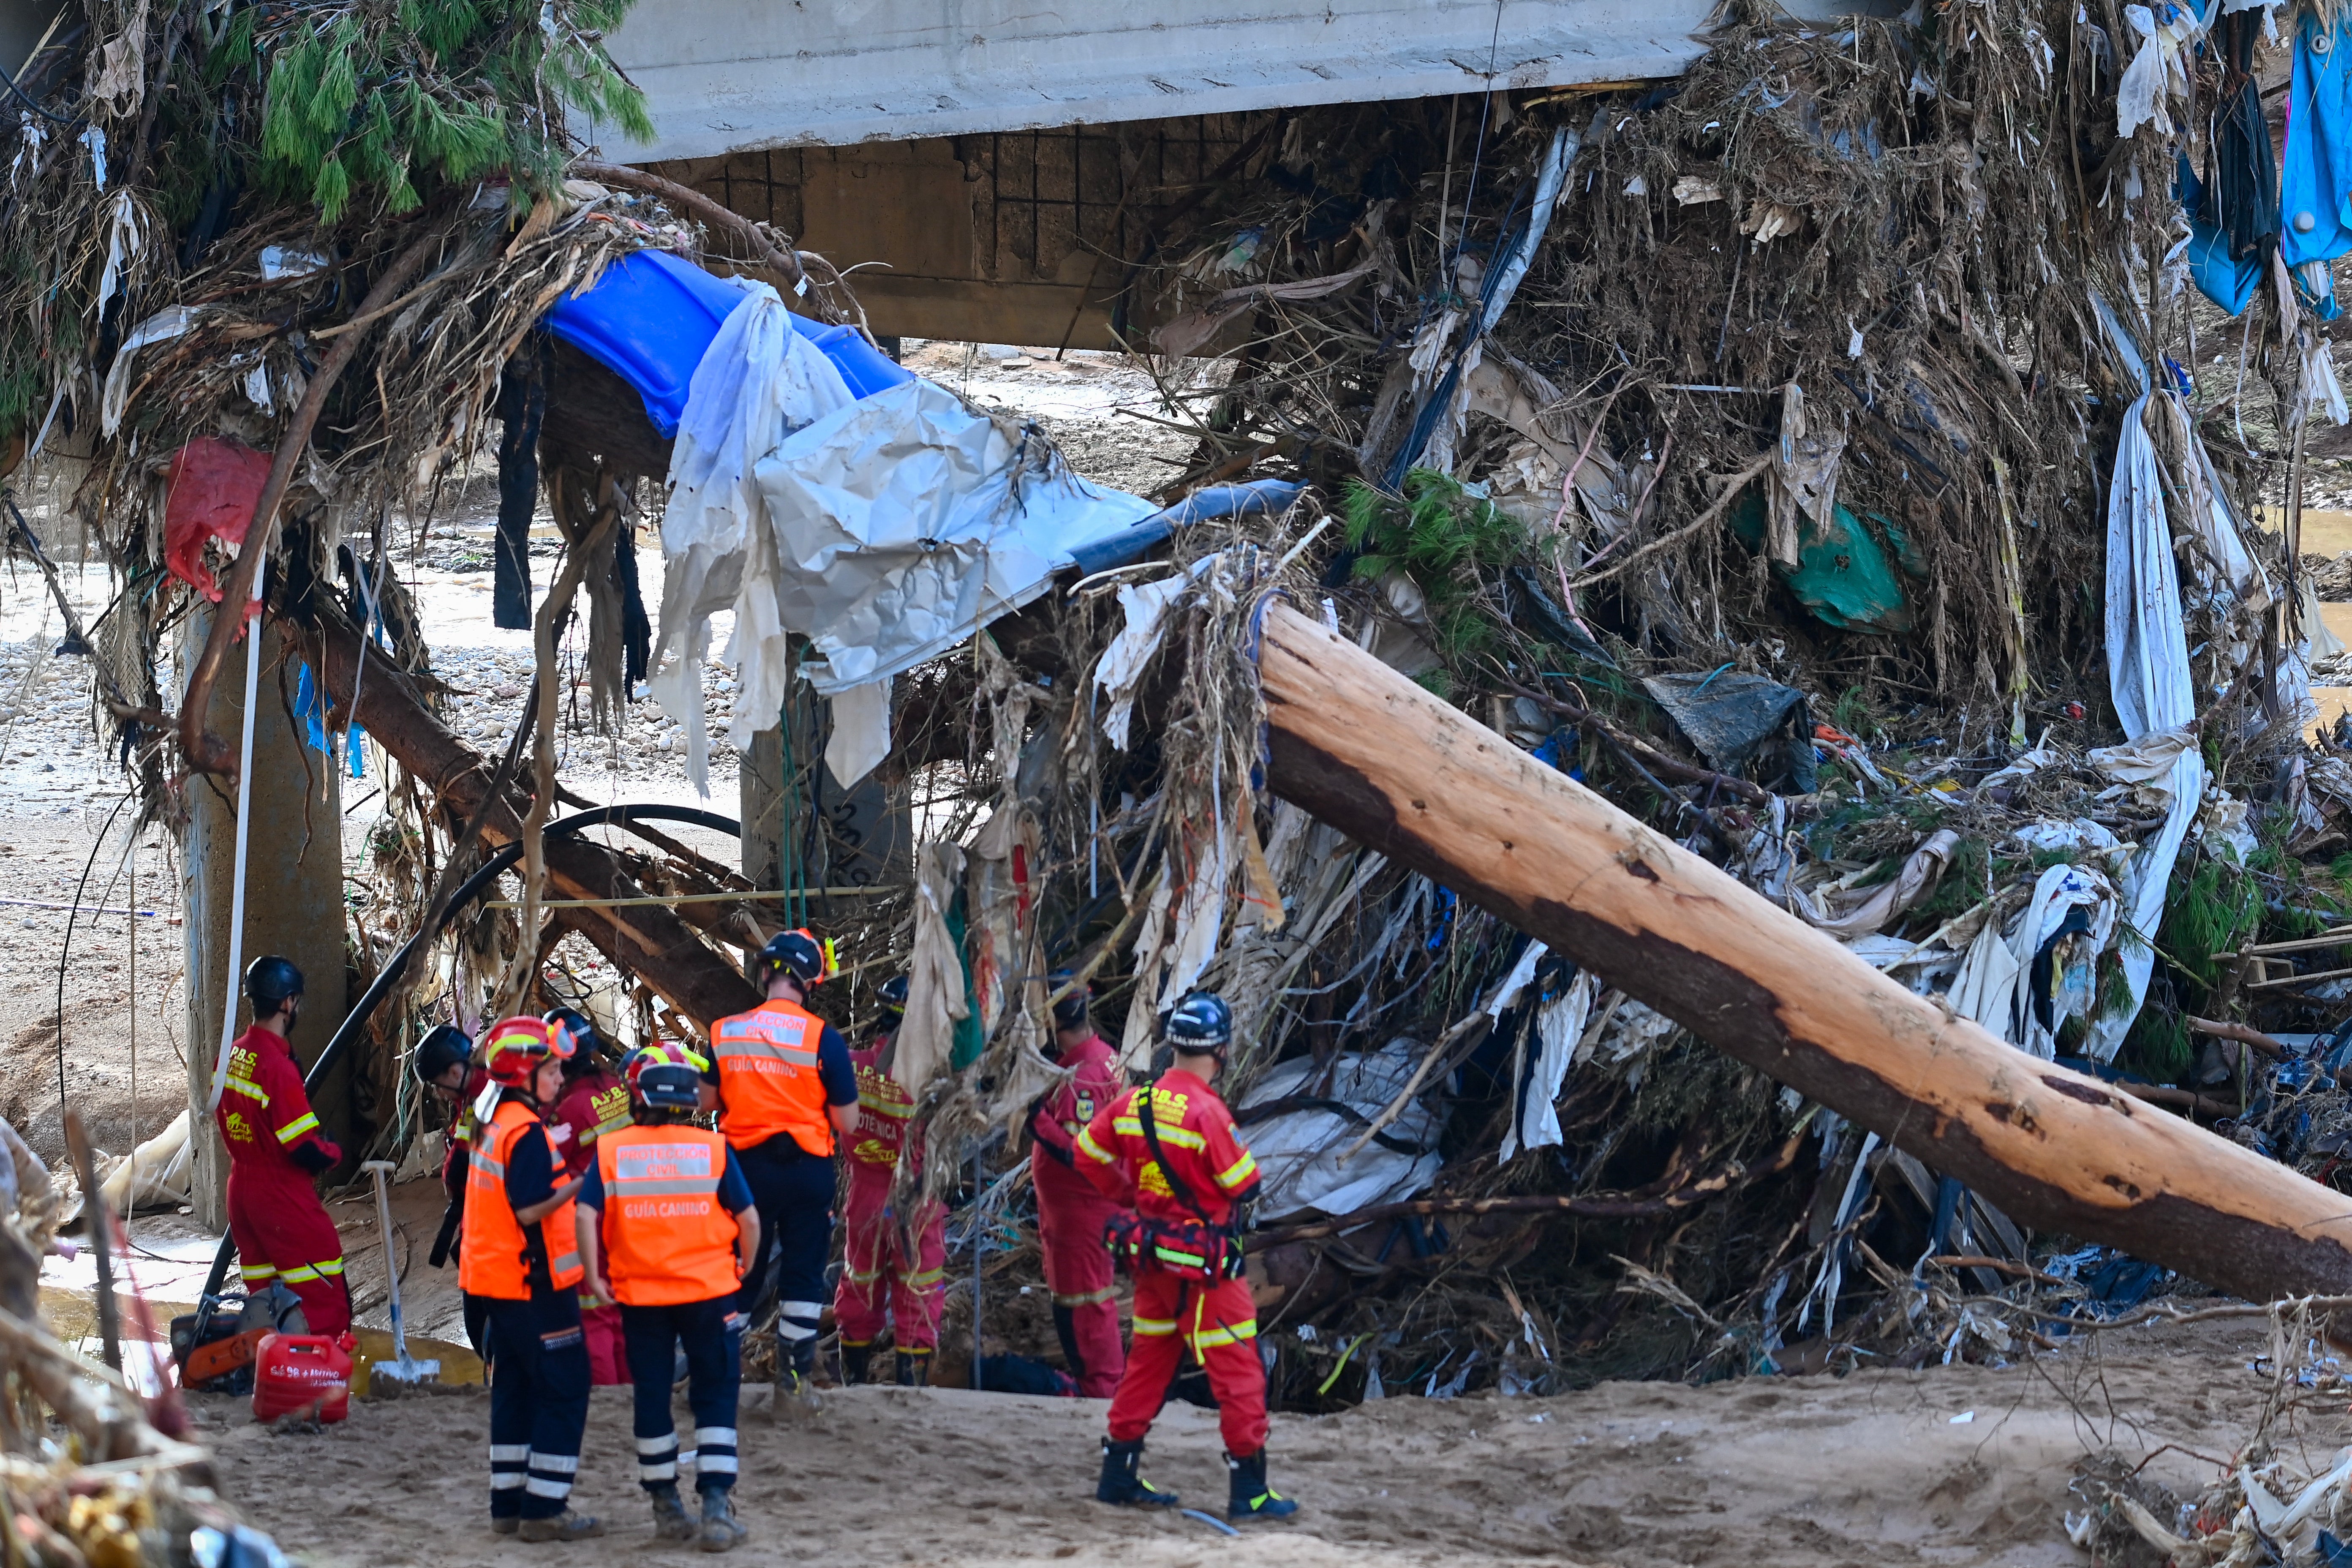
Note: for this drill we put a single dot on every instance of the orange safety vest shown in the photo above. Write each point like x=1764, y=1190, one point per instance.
x=768, y=1080
x=667, y=1238
x=496, y=1258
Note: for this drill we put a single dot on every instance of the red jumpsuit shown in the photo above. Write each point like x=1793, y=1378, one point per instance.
x=281, y=1230
x=1217, y=1322
x=877, y=1276
x=591, y=1105
x=1070, y=1218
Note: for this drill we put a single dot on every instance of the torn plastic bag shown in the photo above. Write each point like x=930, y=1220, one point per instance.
x=1552, y=623
x=1842, y=574
x=1298, y=1122
x=907, y=521
x=210, y=492
x=1736, y=718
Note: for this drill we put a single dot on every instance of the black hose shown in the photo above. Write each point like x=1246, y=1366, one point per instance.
x=30, y=103
x=467, y=891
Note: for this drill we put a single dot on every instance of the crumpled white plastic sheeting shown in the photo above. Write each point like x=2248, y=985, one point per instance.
x=2156, y=72
x=1560, y=1025
x=2148, y=677
x=907, y=519
x=1298, y=1152
x=757, y=381
x=1119, y=670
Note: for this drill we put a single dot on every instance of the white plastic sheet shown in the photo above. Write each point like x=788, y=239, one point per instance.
x=1298, y=1152
x=861, y=731
x=758, y=380
x=1559, y=1025
x=2148, y=677
x=1120, y=671
x=907, y=519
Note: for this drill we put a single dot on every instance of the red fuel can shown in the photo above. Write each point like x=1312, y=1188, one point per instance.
x=303, y=1374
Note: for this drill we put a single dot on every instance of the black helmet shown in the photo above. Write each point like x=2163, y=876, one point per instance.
x=270, y=980
x=893, y=996
x=446, y=1047
x=1201, y=1024
x=586, y=1043
x=1070, y=1011
x=794, y=952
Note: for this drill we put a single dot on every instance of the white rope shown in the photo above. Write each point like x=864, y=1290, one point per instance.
x=244, y=820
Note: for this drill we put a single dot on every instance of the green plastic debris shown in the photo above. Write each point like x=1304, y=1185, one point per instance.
x=1844, y=575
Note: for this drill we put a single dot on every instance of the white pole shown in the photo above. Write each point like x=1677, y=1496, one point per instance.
x=244, y=821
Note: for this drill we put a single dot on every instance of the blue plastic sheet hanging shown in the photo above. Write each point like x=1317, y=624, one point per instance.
x=311, y=715
x=2316, y=163
x=651, y=316
x=2228, y=282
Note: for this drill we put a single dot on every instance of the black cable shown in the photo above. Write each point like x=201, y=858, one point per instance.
x=25, y=99
x=65, y=947
x=395, y=966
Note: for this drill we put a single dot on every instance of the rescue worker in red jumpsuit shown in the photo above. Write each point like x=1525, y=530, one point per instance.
x=783, y=1084
x=1070, y=1212
x=668, y=1230
x=522, y=1260
x=595, y=1101
x=275, y=1154
x=889, y=1272
x=1173, y=1146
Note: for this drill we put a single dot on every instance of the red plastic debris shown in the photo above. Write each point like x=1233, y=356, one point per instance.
x=212, y=487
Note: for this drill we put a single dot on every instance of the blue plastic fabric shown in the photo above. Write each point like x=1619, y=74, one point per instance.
x=651, y=316
x=2315, y=166
x=1259, y=498
x=2229, y=284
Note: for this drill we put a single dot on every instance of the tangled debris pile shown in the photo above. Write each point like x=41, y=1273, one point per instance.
x=1735, y=447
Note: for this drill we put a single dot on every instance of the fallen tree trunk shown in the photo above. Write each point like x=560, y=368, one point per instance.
x=649, y=941
x=1379, y=758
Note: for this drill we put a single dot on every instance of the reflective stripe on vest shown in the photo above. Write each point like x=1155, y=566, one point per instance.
x=667, y=1238
x=768, y=1079
x=495, y=1259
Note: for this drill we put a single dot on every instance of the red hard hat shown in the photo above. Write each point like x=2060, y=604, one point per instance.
x=513, y=1048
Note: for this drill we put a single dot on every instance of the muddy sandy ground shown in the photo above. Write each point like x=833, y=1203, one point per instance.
x=1873, y=1468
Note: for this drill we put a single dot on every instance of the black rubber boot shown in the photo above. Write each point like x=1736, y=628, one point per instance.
x=1122, y=1478
x=1250, y=1496
x=721, y=1530
x=856, y=1364
x=796, y=1395
x=564, y=1526
x=914, y=1369
x=670, y=1523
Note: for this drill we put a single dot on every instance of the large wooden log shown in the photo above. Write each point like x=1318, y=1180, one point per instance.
x=1376, y=756
x=650, y=941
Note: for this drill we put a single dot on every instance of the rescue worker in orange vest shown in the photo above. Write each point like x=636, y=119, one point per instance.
x=1070, y=1212
x=669, y=1231
x=521, y=1259
x=275, y=1154
x=887, y=1268
x=1173, y=1146
x=783, y=1085
x=595, y=1101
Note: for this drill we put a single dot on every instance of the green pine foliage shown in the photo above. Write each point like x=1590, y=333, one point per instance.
x=377, y=104
x=1449, y=542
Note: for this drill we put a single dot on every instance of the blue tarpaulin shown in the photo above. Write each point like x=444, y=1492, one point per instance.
x=651, y=315
x=2316, y=163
